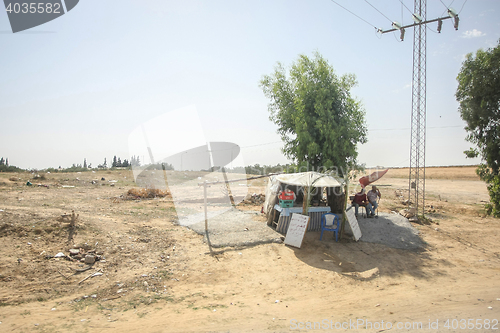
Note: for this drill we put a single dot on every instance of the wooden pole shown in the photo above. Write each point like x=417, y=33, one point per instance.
x=342, y=226
x=205, y=184
x=237, y=180
x=205, y=201
x=229, y=193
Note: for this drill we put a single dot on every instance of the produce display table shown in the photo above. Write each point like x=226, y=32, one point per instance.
x=315, y=214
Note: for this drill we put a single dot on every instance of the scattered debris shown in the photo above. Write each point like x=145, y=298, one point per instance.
x=254, y=199
x=67, y=278
x=83, y=269
x=89, y=259
x=98, y=273
x=71, y=218
x=408, y=213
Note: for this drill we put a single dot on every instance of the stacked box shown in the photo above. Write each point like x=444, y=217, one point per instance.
x=286, y=203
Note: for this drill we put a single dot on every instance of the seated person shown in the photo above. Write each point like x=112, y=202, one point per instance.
x=373, y=196
x=360, y=200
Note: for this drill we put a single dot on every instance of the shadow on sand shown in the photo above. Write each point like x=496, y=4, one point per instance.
x=390, y=246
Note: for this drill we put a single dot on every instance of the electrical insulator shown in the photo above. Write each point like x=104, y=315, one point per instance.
x=396, y=25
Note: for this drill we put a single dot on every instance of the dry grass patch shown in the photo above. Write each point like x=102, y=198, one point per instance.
x=145, y=193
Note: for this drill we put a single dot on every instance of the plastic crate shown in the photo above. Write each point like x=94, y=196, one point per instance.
x=286, y=203
x=287, y=195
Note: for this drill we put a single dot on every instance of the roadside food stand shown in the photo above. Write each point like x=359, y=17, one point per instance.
x=320, y=185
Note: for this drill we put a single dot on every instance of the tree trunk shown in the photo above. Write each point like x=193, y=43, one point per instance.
x=305, y=202
x=336, y=201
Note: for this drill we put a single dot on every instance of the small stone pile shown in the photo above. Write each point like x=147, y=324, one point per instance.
x=408, y=213
x=254, y=199
x=85, y=254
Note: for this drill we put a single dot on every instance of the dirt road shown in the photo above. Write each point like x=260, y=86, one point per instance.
x=158, y=276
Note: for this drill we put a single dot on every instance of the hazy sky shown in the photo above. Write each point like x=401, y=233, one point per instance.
x=78, y=86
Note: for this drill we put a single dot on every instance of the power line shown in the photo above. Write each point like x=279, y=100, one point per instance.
x=372, y=129
x=407, y=128
x=231, y=148
x=462, y=7
x=406, y=8
x=378, y=11
x=262, y=144
x=430, y=29
x=401, y=11
x=396, y=38
x=362, y=19
x=447, y=7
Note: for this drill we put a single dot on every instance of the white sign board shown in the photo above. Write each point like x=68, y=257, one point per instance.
x=353, y=222
x=296, y=230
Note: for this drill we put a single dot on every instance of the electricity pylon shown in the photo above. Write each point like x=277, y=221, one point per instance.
x=416, y=198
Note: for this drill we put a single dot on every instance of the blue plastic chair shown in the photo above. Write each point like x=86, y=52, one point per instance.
x=330, y=222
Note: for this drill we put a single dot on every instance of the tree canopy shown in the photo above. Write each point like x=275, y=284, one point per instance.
x=478, y=93
x=318, y=119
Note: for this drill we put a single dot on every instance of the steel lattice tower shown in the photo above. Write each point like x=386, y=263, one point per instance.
x=418, y=114
x=416, y=196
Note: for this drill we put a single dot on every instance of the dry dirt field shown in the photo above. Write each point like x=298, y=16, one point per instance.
x=158, y=276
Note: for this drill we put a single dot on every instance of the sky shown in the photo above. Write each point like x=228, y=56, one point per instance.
x=82, y=85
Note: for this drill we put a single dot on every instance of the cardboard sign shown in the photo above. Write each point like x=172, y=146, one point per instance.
x=297, y=230
x=353, y=222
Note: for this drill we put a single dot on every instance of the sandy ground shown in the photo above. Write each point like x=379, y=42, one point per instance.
x=159, y=276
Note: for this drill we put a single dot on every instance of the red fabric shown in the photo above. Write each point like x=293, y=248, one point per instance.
x=366, y=180
x=360, y=199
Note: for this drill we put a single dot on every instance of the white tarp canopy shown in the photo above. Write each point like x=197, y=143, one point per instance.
x=311, y=178
x=304, y=179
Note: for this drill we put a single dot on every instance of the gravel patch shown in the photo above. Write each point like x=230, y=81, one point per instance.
x=392, y=230
x=233, y=228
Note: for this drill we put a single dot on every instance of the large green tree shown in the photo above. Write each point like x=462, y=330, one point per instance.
x=318, y=119
x=478, y=93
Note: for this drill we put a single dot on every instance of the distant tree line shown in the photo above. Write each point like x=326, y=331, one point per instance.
x=5, y=167
x=258, y=169
x=117, y=163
